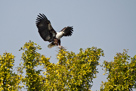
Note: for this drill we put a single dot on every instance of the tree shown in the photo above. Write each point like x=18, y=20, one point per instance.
x=121, y=73
x=72, y=72
x=31, y=59
x=9, y=80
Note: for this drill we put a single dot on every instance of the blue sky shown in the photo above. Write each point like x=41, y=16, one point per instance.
x=106, y=24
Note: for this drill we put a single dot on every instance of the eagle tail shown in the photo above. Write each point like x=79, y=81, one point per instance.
x=51, y=45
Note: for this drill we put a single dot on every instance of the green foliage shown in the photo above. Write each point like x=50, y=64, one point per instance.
x=9, y=81
x=121, y=73
x=72, y=72
x=33, y=80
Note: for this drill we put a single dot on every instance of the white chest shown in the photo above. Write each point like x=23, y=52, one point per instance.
x=59, y=35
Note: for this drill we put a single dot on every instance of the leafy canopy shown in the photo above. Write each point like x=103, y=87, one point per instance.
x=72, y=72
x=121, y=73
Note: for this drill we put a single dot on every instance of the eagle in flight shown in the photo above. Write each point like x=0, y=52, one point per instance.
x=47, y=32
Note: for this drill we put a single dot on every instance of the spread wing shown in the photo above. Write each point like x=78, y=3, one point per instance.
x=44, y=28
x=67, y=31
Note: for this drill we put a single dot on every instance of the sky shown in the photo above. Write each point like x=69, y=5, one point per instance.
x=106, y=24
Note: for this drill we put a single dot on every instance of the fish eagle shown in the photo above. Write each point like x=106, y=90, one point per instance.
x=47, y=32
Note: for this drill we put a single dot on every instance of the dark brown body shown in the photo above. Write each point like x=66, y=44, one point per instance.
x=56, y=42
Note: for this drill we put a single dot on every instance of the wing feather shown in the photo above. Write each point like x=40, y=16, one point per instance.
x=44, y=28
x=67, y=31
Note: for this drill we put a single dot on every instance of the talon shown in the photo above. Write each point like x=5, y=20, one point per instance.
x=61, y=47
